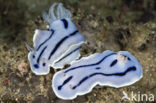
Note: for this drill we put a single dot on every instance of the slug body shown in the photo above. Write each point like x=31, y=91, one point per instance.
x=57, y=46
x=115, y=69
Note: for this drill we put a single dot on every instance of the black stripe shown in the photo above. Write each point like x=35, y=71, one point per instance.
x=65, y=22
x=90, y=64
x=97, y=68
x=113, y=63
x=60, y=42
x=103, y=74
x=84, y=79
x=46, y=40
x=65, y=82
x=127, y=57
x=38, y=60
x=68, y=54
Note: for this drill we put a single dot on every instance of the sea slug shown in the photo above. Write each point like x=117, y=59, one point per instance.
x=57, y=46
x=115, y=69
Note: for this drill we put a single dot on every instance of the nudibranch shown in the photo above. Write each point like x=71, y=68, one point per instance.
x=57, y=46
x=115, y=69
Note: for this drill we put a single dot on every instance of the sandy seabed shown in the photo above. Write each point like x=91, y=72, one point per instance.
x=107, y=25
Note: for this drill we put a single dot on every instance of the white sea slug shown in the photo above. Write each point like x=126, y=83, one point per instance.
x=57, y=46
x=115, y=69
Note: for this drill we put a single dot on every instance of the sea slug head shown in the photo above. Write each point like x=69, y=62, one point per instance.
x=59, y=18
x=38, y=67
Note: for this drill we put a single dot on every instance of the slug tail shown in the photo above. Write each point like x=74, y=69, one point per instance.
x=56, y=12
